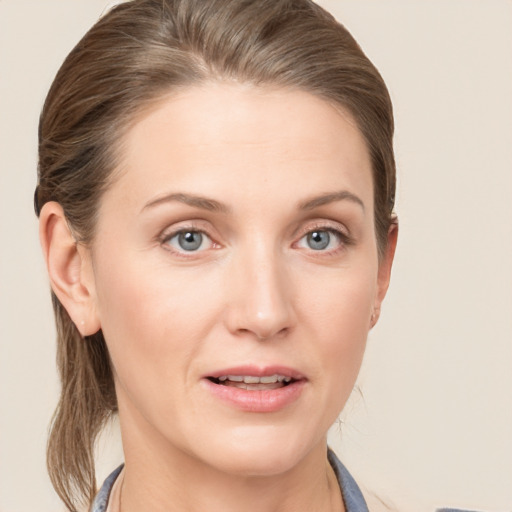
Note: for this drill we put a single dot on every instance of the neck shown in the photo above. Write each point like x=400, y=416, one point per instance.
x=173, y=493
x=159, y=477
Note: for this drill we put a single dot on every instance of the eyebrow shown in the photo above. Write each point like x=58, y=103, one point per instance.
x=203, y=203
x=342, y=195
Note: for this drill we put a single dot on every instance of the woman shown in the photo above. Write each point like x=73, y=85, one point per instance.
x=216, y=192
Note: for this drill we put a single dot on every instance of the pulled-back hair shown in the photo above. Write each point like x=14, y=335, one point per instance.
x=137, y=53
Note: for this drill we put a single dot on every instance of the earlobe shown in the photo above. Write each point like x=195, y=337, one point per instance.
x=69, y=270
x=384, y=273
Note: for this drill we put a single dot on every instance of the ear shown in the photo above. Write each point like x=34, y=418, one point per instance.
x=69, y=268
x=384, y=273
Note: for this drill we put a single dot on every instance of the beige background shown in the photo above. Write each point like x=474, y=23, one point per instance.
x=435, y=424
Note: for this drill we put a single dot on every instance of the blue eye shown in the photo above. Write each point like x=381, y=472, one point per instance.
x=323, y=239
x=188, y=241
x=318, y=240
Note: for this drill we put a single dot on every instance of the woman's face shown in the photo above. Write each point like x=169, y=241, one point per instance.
x=234, y=274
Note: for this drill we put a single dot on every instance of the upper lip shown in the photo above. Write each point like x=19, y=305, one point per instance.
x=257, y=371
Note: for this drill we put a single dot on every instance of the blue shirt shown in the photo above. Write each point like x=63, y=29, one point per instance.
x=352, y=496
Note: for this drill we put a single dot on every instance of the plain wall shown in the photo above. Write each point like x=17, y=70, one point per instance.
x=434, y=423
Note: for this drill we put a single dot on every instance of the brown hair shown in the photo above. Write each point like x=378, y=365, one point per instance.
x=134, y=55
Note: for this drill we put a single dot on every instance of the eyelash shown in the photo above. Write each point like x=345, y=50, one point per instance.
x=167, y=236
x=344, y=240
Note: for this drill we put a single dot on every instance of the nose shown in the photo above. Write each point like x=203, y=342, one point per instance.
x=260, y=296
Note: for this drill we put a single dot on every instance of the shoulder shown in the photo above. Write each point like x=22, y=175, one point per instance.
x=357, y=501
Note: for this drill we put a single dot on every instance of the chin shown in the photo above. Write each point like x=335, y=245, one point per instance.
x=262, y=452
x=254, y=464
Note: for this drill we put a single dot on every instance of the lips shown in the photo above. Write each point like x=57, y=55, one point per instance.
x=253, y=382
x=253, y=389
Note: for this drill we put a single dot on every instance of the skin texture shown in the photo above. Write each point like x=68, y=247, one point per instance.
x=254, y=293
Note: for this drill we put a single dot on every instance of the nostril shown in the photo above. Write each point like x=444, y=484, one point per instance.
x=255, y=313
x=280, y=333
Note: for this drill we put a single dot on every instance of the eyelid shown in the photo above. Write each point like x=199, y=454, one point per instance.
x=182, y=227
x=324, y=225
x=193, y=224
x=337, y=228
x=167, y=235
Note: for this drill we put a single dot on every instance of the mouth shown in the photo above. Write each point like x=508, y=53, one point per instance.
x=253, y=382
x=255, y=389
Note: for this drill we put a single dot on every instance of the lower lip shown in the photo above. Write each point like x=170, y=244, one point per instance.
x=268, y=400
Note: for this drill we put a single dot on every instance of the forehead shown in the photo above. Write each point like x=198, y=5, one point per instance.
x=224, y=137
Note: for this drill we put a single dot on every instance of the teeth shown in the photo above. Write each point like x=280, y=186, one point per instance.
x=251, y=379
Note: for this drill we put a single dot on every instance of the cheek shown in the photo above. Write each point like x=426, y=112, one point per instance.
x=150, y=323
x=339, y=314
x=340, y=304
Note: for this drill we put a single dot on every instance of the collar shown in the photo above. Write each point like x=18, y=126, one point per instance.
x=352, y=496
